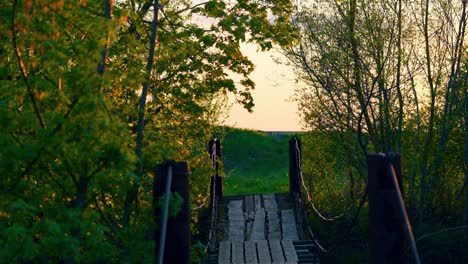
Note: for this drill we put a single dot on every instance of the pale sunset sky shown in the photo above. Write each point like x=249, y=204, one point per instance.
x=274, y=109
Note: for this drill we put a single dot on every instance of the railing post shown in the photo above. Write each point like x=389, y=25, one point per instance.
x=295, y=178
x=386, y=224
x=294, y=163
x=214, y=149
x=177, y=242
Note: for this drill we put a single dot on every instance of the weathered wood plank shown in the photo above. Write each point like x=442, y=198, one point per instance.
x=258, y=202
x=276, y=251
x=269, y=196
x=289, y=225
x=263, y=252
x=289, y=251
x=290, y=232
x=287, y=216
x=235, y=204
x=249, y=203
x=250, y=250
x=274, y=230
x=237, y=252
x=236, y=234
x=236, y=220
x=224, y=255
x=270, y=204
x=258, y=229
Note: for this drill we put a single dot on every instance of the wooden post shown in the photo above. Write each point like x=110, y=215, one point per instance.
x=219, y=186
x=386, y=223
x=294, y=161
x=219, y=179
x=177, y=247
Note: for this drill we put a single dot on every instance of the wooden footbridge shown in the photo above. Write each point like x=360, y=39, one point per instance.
x=273, y=228
x=260, y=229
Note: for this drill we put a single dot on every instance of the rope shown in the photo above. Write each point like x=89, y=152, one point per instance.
x=316, y=241
x=200, y=206
x=213, y=160
x=310, y=229
x=442, y=231
x=213, y=202
x=212, y=235
x=309, y=199
x=302, y=199
x=407, y=224
x=167, y=195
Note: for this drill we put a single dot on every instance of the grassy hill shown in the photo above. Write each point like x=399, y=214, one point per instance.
x=255, y=162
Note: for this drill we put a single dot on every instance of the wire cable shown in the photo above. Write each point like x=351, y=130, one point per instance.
x=167, y=196
x=403, y=212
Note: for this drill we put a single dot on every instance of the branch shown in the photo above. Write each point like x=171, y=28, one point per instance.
x=36, y=158
x=22, y=67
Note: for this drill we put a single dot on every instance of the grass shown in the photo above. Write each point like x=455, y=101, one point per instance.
x=255, y=162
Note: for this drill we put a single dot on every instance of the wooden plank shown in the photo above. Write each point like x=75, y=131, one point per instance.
x=269, y=196
x=290, y=232
x=258, y=229
x=224, y=255
x=249, y=204
x=237, y=252
x=235, y=204
x=276, y=251
x=236, y=233
x=289, y=251
x=258, y=202
x=274, y=230
x=263, y=252
x=289, y=225
x=270, y=204
x=250, y=251
x=236, y=220
x=287, y=216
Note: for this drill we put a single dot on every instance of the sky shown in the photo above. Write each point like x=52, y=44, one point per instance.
x=274, y=109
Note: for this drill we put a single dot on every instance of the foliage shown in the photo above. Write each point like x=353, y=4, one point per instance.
x=70, y=82
x=385, y=76
x=254, y=162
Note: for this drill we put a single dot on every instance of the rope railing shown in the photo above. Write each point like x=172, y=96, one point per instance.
x=214, y=204
x=167, y=196
x=295, y=189
x=173, y=237
x=301, y=180
x=404, y=214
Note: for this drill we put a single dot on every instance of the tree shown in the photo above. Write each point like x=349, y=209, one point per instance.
x=74, y=112
x=386, y=76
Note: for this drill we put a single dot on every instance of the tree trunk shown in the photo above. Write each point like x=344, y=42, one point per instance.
x=132, y=194
x=465, y=116
x=363, y=101
x=430, y=129
x=398, y=81
x=450, y=94
x=109, y=8
x=416, y=155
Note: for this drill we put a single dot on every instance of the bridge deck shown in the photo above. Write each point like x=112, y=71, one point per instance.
x=261, y=229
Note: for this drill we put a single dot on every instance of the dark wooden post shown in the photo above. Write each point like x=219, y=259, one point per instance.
x=177, y=247
x=219, y=186
x=386, y=223
x=294, y=161
x=219, y=180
